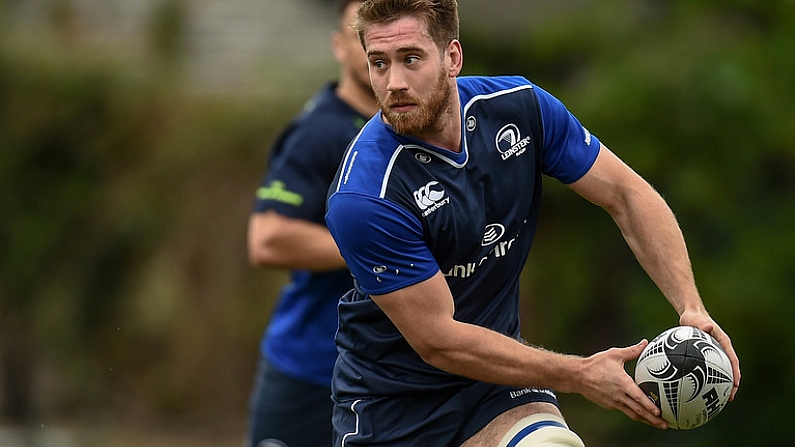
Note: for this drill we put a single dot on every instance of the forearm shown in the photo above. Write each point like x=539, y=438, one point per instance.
x=654, y=236
x=652, y=232
x=482, y=354
x=648, y=225
x=423, y=313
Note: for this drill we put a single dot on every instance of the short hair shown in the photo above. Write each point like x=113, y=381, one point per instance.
x=440, y=16
x=342, y=5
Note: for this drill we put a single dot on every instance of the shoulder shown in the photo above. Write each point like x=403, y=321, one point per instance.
x=369, y=160
x=486, y=96
x=490, y=84
x=325, y=125
x=512, y=90
x=478, y=86
x=326, y=114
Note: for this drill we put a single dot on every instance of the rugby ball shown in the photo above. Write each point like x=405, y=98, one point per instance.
x=687, y=375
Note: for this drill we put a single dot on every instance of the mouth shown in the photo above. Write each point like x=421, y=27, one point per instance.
x=400, y=102
x=402, y=107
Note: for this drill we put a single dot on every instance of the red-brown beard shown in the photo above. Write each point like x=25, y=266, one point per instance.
x=426, y=115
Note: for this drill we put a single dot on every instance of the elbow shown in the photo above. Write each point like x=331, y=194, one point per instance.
x=259, y=255
x=255, y=259
x=437, y=359
x=437, y=356
x=263, y=240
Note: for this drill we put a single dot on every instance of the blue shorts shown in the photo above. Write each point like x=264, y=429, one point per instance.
x=282, y=408
x=444, y=419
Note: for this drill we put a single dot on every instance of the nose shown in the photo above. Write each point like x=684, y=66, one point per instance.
x=397, y=80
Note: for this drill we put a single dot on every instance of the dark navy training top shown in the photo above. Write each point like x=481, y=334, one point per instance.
x=299, y=340
x=402, y=210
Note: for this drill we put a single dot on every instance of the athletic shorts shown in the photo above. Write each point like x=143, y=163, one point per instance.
x=289, y=410
x=443, y=419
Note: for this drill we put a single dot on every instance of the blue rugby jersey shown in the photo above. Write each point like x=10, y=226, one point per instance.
x=299, y=340
x=401, y=210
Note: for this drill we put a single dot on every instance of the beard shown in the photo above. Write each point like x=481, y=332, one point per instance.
x=426, y=115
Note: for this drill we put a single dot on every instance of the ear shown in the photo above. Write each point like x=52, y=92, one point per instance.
x=336, y=46
x=456, y=54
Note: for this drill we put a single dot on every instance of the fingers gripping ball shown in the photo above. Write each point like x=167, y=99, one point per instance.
x=687, y=375
x=541, y=430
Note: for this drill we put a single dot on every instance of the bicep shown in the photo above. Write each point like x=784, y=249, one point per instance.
x=609, y=182
x=422, y=312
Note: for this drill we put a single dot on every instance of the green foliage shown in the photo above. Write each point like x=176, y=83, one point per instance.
x=167, y=29
x=123, y=236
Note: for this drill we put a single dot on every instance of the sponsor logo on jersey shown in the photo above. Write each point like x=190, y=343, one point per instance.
x=510, y=143
x=276, y=191
x=491, y=236
x=523, y=391
x=430, y=198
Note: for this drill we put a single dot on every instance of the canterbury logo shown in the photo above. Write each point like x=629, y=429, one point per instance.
x=430, y=197
x=426, y=196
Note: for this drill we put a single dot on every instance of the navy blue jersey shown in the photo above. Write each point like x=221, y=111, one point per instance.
x=299, y=340
x=402, y=210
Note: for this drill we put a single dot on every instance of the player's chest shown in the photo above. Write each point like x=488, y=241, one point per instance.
x=469, y=210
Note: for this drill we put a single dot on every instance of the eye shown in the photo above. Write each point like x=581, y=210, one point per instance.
x=378, y=64
x=411, y=60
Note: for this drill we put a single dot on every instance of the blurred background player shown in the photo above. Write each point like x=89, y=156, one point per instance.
x=290, y=402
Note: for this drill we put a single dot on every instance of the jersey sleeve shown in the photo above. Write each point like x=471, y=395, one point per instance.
x=569, y=148
x=382, y=243
x=301, y=171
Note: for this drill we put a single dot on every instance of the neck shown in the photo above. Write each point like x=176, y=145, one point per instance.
x=446, y=132
x=359, y=97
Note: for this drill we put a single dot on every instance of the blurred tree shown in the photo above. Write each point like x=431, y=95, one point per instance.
x=122, y=239
x=167, y=30
x=67, y=136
